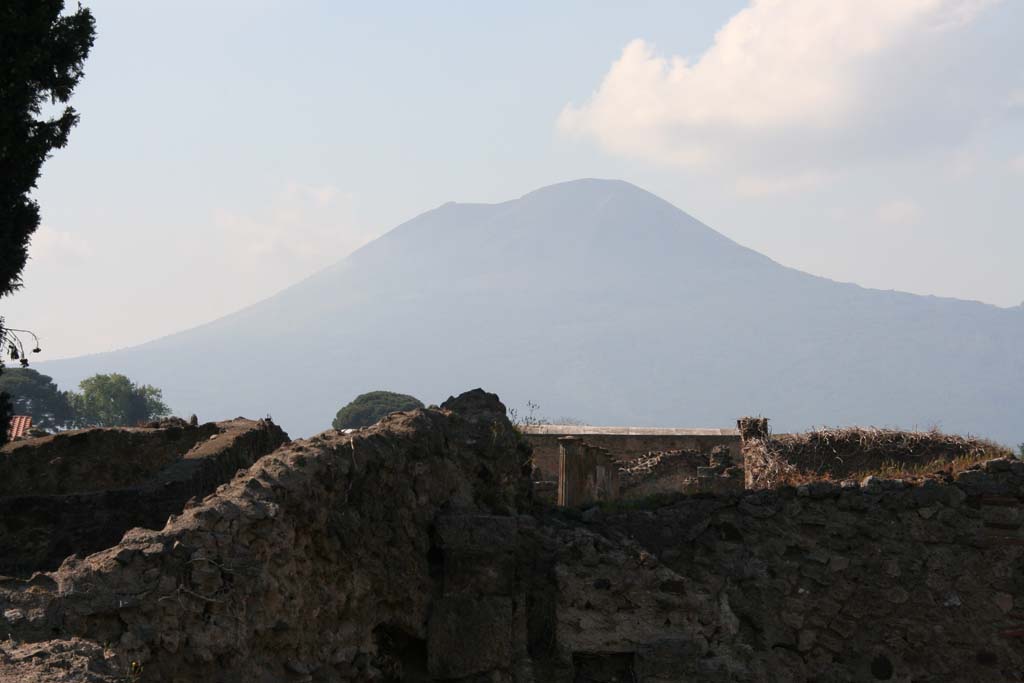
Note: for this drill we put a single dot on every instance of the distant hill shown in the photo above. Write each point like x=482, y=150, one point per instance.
x=597, y=300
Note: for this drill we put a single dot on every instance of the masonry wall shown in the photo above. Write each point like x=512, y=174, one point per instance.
x=411, y=551
x=872, y=582
x=674, y=472
x=156, y=470
x=327, y=560
x=94, y=459
x=625, y=443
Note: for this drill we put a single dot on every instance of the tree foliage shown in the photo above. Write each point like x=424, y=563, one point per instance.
x=368, y=408
x=33, y=393
x=115, y=401
x=42, y=51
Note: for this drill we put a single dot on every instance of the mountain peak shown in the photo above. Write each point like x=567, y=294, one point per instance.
x=596, y=299
x=596, y=186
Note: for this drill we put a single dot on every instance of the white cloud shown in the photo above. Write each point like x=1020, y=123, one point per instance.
x=1017, y=164
x=899, y=212
x=785, y=88
x=49, y=245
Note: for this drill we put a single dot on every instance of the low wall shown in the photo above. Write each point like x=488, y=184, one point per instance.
x=854, y=452
x=39, y=530
x=94, y=459
x=625, y=443
x=681, y=472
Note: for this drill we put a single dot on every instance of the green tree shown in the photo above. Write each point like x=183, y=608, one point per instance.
x=33, y=393
x=42, y=50
x=368, y=408
x=115, y=401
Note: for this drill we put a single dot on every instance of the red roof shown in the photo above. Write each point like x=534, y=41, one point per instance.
x=19, y=425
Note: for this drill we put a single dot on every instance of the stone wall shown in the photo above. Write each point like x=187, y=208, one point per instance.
x=411, y=551
x=327, y=559
x=625, y=443
x=859, y=582
x=86, y=460
x=770, y=460
x=155, y=471
x=675, y=472
x=589, y=475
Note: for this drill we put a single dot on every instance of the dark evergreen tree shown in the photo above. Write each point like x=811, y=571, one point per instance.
x=42, y=50
x=33, y=393
x=368, y=408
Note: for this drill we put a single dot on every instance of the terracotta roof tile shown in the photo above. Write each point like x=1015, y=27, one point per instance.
x=19, y=425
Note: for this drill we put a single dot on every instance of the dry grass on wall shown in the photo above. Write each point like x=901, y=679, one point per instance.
x=857, y=452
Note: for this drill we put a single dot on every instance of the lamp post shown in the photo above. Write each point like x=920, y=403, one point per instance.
x=12, y=346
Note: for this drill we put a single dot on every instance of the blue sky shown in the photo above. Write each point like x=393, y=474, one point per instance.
x=229, y=149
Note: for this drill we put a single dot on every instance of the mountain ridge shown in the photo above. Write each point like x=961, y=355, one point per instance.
x=595, y=299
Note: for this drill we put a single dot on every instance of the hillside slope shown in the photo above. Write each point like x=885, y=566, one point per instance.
x=598, y=300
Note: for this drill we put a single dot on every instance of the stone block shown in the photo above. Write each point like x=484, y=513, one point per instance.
x=979, y=482
x=670, y=659
x=468, y=635
x=479, y=574
x=481, y=534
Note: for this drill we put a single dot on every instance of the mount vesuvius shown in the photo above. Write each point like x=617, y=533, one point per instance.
x=597, y=300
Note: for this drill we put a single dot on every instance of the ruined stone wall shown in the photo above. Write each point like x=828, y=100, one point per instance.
x=665, y=472
x=879, y=581
x=675, y=472
x=94, y=459
x=162, y=468
x=325, y=559
x=411, y=551
x=625, y=443
x=838, y=453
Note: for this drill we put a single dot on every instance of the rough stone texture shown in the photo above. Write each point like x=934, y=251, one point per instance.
x=87, y=460
x=624, y=443
x=58, y=661
x=852, y=452
x=316, y=562
x=411, y=551
x=884, y=581
x=469, y=635
x=157, y=469
x=663, y=467
x=680, y=472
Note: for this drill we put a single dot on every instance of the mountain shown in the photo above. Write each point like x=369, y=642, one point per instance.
x=600, y=301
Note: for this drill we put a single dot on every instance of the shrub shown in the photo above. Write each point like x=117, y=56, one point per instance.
x=368, y=408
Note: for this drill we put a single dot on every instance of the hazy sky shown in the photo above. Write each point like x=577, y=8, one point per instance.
x=229, y=149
